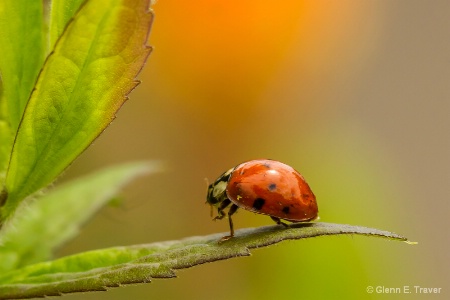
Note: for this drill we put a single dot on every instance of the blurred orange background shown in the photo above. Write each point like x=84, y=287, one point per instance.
x=353, y=94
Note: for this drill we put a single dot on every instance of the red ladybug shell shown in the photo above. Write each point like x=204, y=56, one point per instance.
x=272, y=188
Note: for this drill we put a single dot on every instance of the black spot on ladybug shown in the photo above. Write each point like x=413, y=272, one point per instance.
x=258, y=203
x=272, y=186
x=286, y=210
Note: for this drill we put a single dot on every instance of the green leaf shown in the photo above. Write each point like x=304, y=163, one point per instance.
x=82, y=85
x=61, y=13
x=6, y=141
x=22, y=38
x=102, y=269
x=57, y=216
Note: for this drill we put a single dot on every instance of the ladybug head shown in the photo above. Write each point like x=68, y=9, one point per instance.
x=217, y=191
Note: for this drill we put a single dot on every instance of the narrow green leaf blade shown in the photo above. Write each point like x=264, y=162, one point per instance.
x=56, y=217
x=102, y=269
x=82, y=85
x=22, y=38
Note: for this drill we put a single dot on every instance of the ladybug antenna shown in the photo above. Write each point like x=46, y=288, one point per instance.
x=207, y=182
x=207, y=187
x=206, y=202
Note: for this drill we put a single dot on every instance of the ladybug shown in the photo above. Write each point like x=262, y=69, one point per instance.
x=266, y=187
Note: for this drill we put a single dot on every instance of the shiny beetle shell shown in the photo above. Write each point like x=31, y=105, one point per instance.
x=272, y=188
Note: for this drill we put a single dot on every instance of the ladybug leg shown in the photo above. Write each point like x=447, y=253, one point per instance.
x=222, y=206
x=231, y=211
x=278, y=221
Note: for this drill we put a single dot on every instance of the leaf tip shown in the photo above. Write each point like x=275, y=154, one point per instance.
x=410, y=242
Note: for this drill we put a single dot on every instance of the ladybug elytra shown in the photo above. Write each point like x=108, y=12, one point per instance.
x=266, y=187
